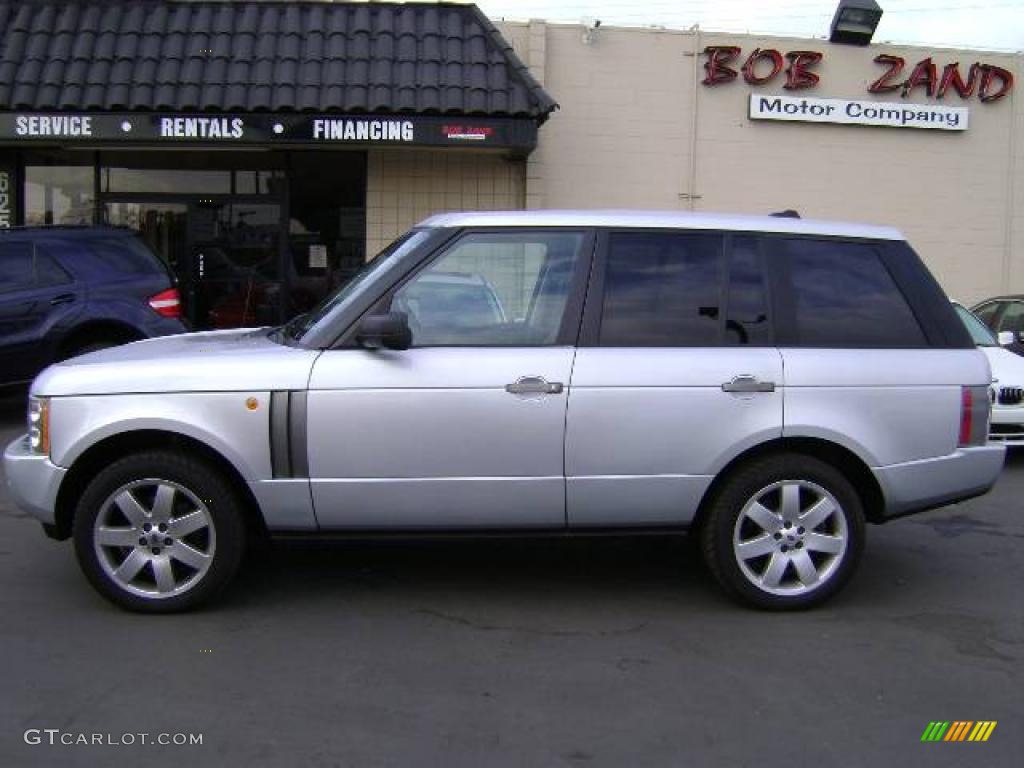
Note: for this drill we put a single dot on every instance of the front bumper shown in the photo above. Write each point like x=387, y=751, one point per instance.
x=919, y=485
x=1007, y=425
x=33, y=480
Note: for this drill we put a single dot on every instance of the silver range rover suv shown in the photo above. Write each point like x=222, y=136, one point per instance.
x=771, y=384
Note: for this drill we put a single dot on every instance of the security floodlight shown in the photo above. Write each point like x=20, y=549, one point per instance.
x=855, y=22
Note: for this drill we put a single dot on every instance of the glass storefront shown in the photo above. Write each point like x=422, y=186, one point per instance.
x=253, y=237
x=58, y=194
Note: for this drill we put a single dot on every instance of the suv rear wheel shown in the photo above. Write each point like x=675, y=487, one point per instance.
x=158, y=532
x=784, y=532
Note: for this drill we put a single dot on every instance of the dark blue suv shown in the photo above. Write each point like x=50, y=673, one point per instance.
x=69, y=290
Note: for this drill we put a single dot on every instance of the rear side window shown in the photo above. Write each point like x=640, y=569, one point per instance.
x=125, y=255
x=16, y=270
x=844, y=296
x=662, y=290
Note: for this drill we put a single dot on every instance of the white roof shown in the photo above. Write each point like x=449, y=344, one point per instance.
x=660, y=220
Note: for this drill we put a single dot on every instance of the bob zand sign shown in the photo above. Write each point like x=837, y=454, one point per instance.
x=795, y=70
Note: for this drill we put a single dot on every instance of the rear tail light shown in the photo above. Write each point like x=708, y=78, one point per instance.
x=975, y=410
x=167, y=303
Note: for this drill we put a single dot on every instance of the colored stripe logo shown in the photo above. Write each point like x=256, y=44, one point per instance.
x=959, y=730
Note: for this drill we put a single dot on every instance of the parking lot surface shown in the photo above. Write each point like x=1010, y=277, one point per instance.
x=599, y=652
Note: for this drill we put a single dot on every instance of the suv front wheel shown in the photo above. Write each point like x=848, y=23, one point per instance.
x=784, y=532
x=158, y=532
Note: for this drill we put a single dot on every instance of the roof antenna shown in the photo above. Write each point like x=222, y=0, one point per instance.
x=789, y=213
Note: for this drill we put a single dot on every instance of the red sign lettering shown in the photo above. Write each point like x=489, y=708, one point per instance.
x=798, y=75
x=764, y=65
x=993, y=74
x=924, y=74
x=750, y=68
x=718, y=57
x=951, y=77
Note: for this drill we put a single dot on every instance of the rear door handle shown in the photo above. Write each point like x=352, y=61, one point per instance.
x=534, y=385
x=748, y=383
x=64, y=298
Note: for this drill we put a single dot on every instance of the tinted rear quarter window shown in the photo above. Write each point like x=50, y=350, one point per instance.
x=844, y=296
x=662, y=289
x=126, y=256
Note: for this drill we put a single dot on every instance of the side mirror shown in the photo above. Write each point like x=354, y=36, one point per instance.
x=1006, y=338
x=385, y=331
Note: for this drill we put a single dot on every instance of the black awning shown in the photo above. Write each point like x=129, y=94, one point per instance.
x=281, y=57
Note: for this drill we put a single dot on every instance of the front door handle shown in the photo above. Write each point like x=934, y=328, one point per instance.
x=748, y=383
x=64, y=298
x=534, y=385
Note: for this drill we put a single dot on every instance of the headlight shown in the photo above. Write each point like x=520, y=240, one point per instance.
x=39, y=425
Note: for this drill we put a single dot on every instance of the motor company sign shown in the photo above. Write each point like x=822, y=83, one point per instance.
x=795, y=70
x=857, y=112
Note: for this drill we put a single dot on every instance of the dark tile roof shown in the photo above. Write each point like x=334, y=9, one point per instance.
x=161, y=55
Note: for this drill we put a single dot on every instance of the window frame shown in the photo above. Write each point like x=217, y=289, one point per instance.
x=569, y=329
x=766, y=284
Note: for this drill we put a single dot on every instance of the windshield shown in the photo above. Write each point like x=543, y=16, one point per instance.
x=378, y=265
x=980, y=333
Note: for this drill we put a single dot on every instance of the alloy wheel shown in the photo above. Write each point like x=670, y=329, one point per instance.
x=790, y=538
x=154, y=538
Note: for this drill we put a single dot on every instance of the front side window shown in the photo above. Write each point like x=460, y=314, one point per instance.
x=493, y=289
x=844, y=296
x=16, y=270
x=662, y=290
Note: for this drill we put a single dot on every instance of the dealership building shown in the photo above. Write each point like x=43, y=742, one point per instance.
x=265, y=149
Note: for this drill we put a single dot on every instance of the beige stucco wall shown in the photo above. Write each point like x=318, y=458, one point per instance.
x=405, y=186
x=632, y=113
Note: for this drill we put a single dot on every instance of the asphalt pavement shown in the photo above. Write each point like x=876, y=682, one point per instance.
x=609, y=652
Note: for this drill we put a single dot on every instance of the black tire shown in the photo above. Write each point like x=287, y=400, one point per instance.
x=738, y=576
x=224, y=530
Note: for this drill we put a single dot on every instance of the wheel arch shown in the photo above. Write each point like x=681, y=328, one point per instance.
x=97, y=330
x=97, y=456
x=852, y=466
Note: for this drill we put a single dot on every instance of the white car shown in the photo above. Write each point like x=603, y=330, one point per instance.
x=1007, y=425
